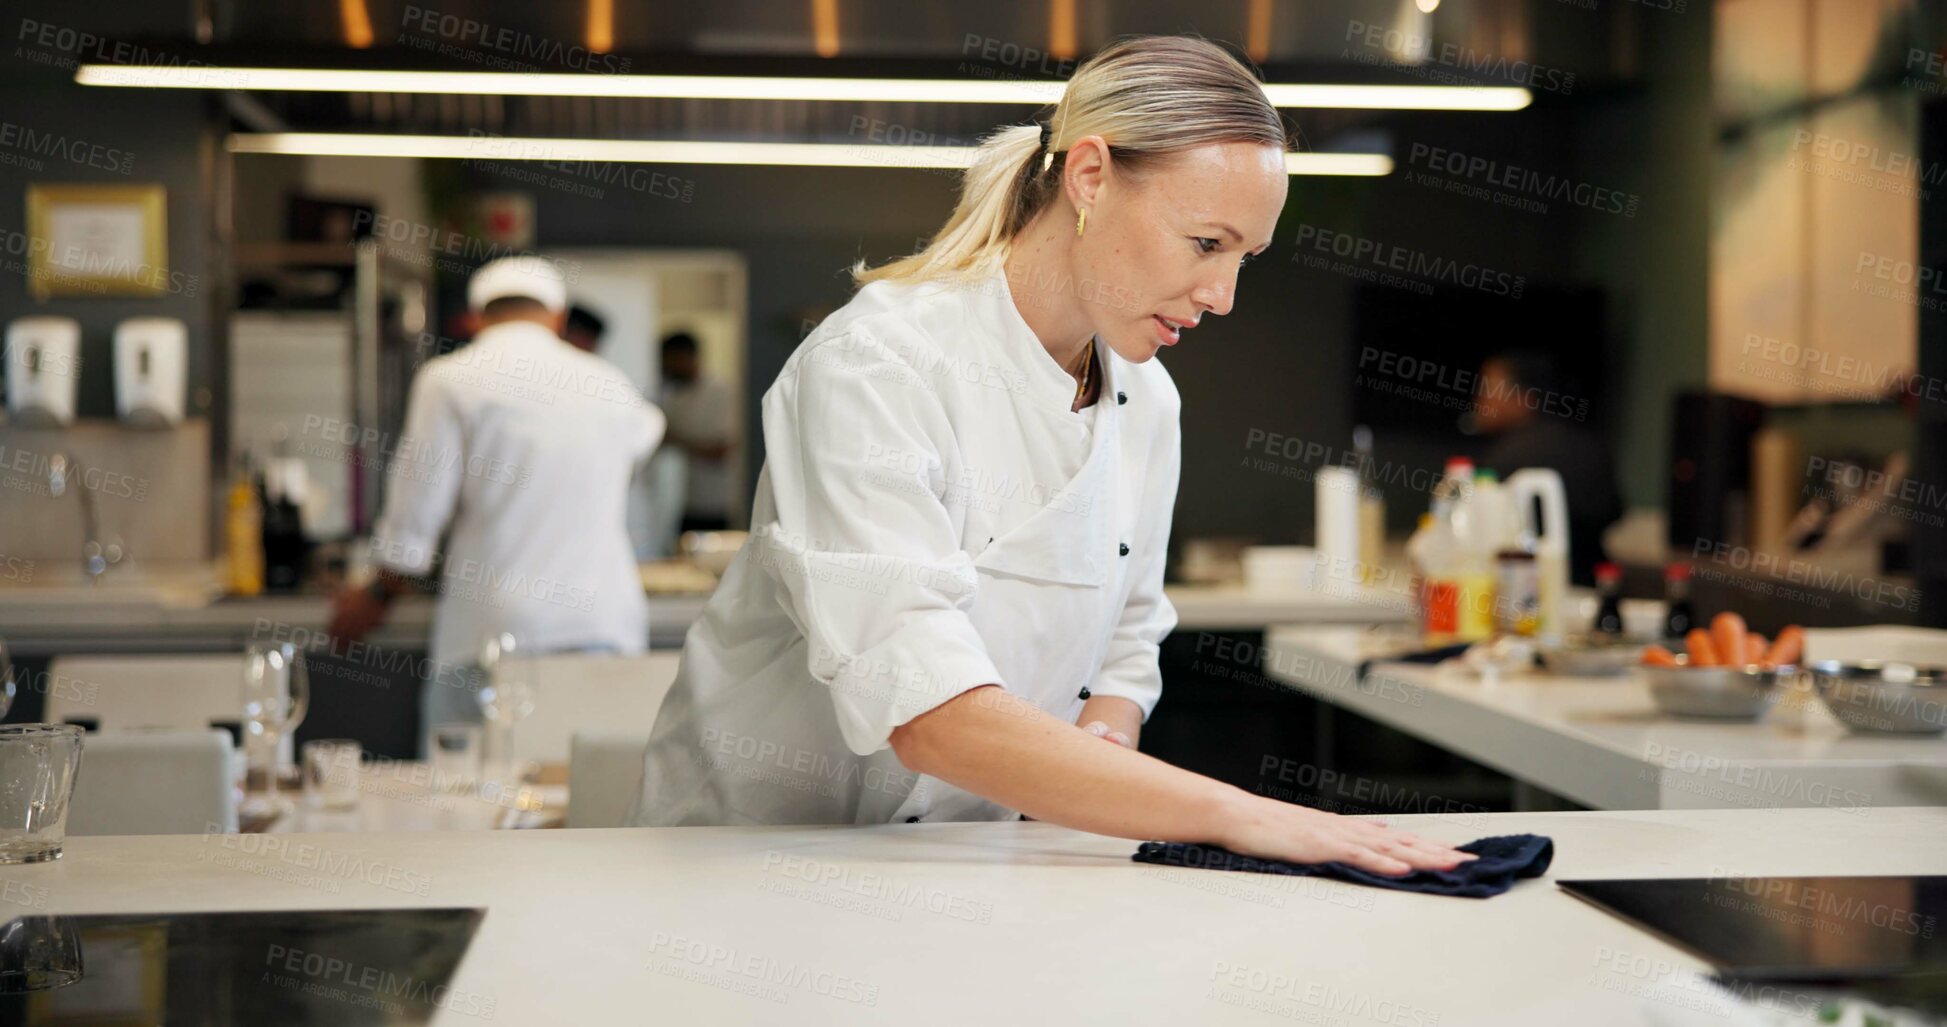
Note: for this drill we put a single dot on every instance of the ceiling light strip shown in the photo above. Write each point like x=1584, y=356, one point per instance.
x=738, y=87
x=492, y=148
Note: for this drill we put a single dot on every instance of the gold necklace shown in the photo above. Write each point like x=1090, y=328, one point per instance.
x=1088, y=363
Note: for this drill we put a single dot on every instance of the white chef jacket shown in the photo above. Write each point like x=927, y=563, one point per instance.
x=525, y=445
x=931, y=517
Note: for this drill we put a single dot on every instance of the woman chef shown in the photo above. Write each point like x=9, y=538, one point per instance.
x=959, y=531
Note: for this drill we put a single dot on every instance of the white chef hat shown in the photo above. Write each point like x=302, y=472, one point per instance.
x=526, y=276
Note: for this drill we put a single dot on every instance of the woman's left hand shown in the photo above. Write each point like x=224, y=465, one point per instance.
x=1102, y=730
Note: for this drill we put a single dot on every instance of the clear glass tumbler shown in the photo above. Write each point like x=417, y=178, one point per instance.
x=37, y=765
x=331, y=773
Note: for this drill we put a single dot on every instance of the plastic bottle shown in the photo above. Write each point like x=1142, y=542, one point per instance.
x=243, y=527
x=1456, y=557
x=1439, y=600
x=1372, y=507
x=1476, y=526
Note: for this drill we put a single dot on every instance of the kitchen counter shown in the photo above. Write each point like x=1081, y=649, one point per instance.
x=181, y=609
x=1236, y=608
x=1602, y=743
x=995, y=922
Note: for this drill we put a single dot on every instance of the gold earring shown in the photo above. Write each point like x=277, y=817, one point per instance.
x=1081, y=218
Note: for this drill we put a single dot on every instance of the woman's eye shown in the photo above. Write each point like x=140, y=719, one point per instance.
x=1205, y=245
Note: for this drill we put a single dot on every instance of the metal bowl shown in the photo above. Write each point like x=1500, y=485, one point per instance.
x=1884, y=697
x=1718, y=693
x=1592, y=656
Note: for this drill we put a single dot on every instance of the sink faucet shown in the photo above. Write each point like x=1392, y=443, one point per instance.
x=96, y=558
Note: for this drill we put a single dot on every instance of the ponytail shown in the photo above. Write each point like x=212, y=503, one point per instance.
x=1148, y=96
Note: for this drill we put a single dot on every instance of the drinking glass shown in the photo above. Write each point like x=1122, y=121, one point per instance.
x=38, y=953
x=506, y=695
x=455, y=753
x=6, y=680
x=331, y=773
x=276, y=694
x=37, y=765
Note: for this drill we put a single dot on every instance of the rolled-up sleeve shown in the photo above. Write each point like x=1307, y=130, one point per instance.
x=422, y=484
x=1130, y=668
x=869, y=556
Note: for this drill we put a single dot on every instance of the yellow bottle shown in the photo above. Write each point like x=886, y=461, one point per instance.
x=243, y=527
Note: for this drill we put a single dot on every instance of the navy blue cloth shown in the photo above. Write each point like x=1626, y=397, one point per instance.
x=1503, y=860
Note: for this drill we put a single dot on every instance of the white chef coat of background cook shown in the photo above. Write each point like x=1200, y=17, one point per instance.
x=931, y=517
x=525, y=445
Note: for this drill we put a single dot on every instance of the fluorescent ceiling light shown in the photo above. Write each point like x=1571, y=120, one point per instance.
x=491, y=148
x=728, y=87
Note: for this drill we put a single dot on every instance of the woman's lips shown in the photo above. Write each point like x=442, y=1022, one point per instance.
x=1166, y=333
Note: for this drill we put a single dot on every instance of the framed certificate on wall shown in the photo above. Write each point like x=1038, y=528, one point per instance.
x=97, y=240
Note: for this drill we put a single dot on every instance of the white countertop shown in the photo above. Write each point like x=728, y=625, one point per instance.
x=173, y=608
x=994, y=923
x=1601, y=742
x=1237, y=608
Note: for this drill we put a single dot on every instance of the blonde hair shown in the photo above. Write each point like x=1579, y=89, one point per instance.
x=1148, y=97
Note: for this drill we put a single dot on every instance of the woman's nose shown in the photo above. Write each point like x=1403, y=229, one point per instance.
x=1216, y=297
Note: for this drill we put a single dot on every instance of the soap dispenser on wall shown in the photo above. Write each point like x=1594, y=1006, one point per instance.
x=43, y=365
x=151, y=354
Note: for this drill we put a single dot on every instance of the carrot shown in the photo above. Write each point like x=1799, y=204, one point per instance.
x=1727, y=637
x=1789, y=648
x=1657, y=656
x=1702, y=653
x=1755, y=646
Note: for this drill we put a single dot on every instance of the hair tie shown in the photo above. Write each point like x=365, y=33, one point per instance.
x=1047, y=155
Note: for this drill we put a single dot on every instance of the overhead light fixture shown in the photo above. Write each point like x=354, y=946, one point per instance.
x=493, y=148
x=742, y=87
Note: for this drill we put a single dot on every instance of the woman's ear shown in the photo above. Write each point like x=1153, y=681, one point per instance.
x=1085, y=170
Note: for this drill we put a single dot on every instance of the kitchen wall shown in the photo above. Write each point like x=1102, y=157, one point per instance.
x=61, y=134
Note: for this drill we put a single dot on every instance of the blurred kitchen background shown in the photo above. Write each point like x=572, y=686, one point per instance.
x=1698, y=233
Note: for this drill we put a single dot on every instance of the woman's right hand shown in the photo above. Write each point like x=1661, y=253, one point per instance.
x=1269, y=829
